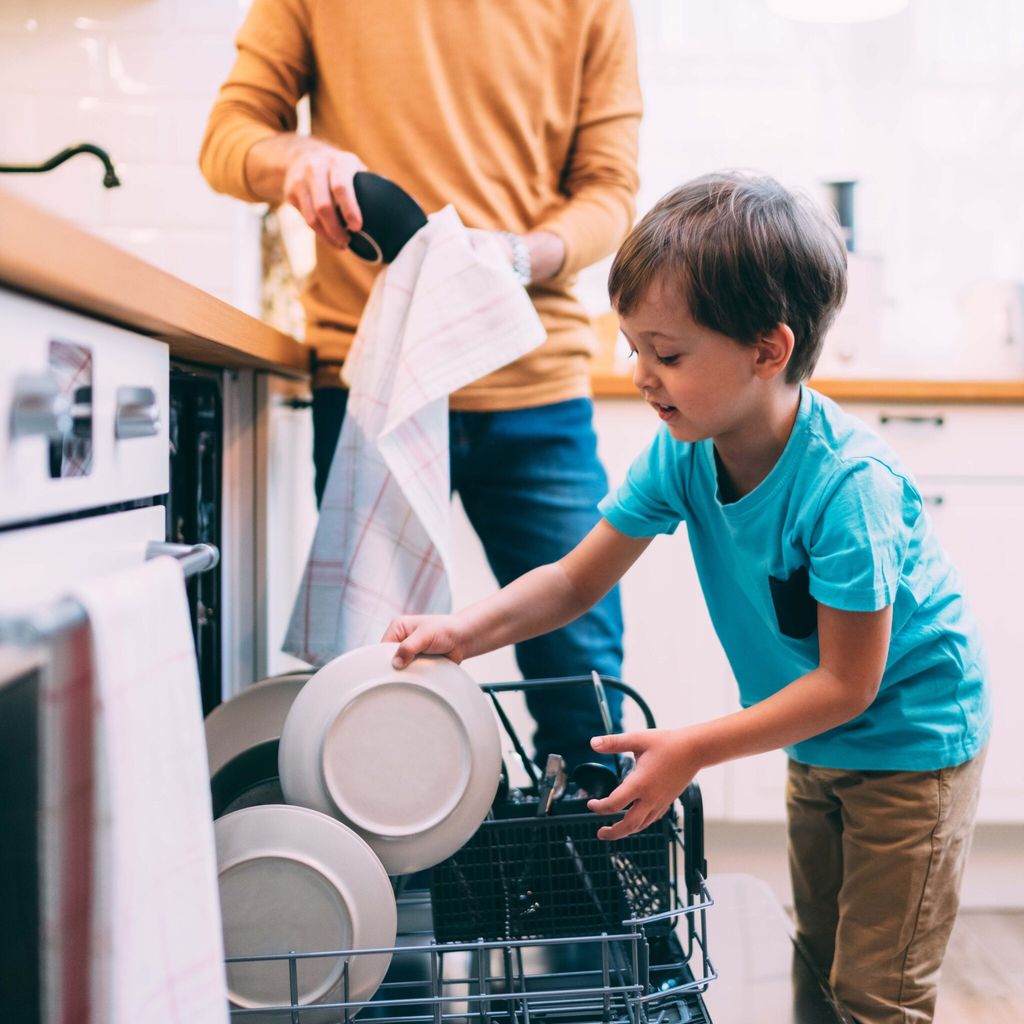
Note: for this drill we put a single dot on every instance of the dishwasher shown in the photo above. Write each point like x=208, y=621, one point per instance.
x=537, y=921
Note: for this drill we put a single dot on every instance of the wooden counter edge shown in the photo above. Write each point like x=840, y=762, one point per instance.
x=865, y=389
x=46, y=256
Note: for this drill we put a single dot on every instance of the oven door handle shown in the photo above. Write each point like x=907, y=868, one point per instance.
x=46, y=624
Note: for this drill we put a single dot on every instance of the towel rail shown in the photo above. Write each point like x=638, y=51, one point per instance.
x=46, y=624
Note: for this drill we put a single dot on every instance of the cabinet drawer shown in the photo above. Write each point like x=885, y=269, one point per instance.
x=950, y=440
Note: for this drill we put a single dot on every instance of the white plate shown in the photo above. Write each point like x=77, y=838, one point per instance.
x=292, y=879
x=410, y=759
x=253, y=716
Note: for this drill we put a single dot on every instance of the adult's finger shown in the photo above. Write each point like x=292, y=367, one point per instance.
x=329, y=224
x=301, y=200
x=343, y=193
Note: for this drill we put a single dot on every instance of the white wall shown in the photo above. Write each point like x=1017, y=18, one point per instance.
x=136, y=77
x=925, y=110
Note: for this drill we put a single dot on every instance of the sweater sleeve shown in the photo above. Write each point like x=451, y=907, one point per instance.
x=600, y=179
x=272, y=72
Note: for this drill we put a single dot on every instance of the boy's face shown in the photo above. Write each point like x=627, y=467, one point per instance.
x=700, y=383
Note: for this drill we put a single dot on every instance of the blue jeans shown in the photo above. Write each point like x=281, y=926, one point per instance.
x=530, y=481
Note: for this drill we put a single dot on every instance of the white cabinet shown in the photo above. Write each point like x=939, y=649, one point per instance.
x=968, y=460
x=287, y=512
x=981, y=525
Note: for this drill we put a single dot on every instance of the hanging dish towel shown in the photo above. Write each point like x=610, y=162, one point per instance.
x=448, y=311
x=157, y=947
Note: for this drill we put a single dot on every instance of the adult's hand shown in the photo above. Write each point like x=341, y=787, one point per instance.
x=427, y=634
x=318, y=183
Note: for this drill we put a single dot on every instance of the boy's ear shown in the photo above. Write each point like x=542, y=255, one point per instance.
x=773, y=351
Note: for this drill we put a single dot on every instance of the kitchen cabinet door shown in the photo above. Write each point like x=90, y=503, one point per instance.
x=979, y=524
x=288, y=513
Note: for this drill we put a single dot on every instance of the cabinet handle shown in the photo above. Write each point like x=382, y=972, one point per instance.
x=296, y=403
x=891, y=417
x=39, y=408
x=138, y=414
x=933, y=499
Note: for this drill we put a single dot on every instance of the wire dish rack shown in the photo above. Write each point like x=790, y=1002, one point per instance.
x=536, y=921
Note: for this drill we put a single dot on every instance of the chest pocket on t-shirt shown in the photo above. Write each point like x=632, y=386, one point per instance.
x=795, y=610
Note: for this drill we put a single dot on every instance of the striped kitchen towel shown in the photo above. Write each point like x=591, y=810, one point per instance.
x=448, y=311
x=156, y=948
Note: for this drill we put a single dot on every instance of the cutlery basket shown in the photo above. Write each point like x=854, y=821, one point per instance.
x=533, y=878
x=521, y=876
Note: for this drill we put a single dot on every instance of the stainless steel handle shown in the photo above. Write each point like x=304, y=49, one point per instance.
x=39, y=408
x=48, y=623
x=138, y=414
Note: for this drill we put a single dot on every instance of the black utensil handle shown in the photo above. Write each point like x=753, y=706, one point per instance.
x=514, y=737
x=695, y=865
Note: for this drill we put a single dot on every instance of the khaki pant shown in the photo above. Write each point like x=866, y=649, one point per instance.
x=876, y=860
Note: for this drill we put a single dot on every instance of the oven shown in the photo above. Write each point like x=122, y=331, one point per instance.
x=100, y=466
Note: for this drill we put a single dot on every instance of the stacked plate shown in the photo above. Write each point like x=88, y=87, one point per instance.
x=410, y=759
x=322, y=786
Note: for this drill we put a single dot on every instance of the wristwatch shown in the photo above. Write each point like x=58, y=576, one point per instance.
x=521, y=264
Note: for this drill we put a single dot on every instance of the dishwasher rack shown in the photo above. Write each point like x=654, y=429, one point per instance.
x=645, y=969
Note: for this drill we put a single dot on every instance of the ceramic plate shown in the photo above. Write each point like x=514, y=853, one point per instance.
x=410, y=759
x=292, y=879
x=254, y=716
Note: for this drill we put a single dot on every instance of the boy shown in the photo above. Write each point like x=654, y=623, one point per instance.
x=839, y=612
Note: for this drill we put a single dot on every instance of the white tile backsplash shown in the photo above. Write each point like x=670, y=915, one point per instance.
x=136, y=77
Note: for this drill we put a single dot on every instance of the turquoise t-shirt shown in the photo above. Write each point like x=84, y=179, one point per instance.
x=836, y=521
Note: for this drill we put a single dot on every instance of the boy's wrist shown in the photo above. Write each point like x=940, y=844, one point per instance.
x=700, y=738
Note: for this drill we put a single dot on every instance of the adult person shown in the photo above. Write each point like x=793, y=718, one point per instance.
x=524, y=117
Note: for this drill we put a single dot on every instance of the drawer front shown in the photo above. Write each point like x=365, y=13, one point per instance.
x=950, y=440
x=110, y=387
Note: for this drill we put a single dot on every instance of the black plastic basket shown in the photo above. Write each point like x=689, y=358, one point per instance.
x=522, y=876
x=538, y=878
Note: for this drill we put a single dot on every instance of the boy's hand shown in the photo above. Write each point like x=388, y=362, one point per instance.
x=426, y=634
x=666, y=762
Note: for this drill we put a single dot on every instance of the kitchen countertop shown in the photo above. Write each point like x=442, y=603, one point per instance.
x=51, y=258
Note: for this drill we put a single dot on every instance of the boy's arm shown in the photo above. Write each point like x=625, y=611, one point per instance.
x=536, y=603
x=853, y=649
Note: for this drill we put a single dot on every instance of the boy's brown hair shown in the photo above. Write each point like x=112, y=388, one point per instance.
x=746, y=255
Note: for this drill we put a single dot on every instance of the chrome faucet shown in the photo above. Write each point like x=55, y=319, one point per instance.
x=110, y=179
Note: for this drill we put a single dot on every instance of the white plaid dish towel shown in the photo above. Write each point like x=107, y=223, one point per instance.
x=156, y=941
x=448, y=311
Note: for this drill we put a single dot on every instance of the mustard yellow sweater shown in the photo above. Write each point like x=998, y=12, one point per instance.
x=523, y=114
